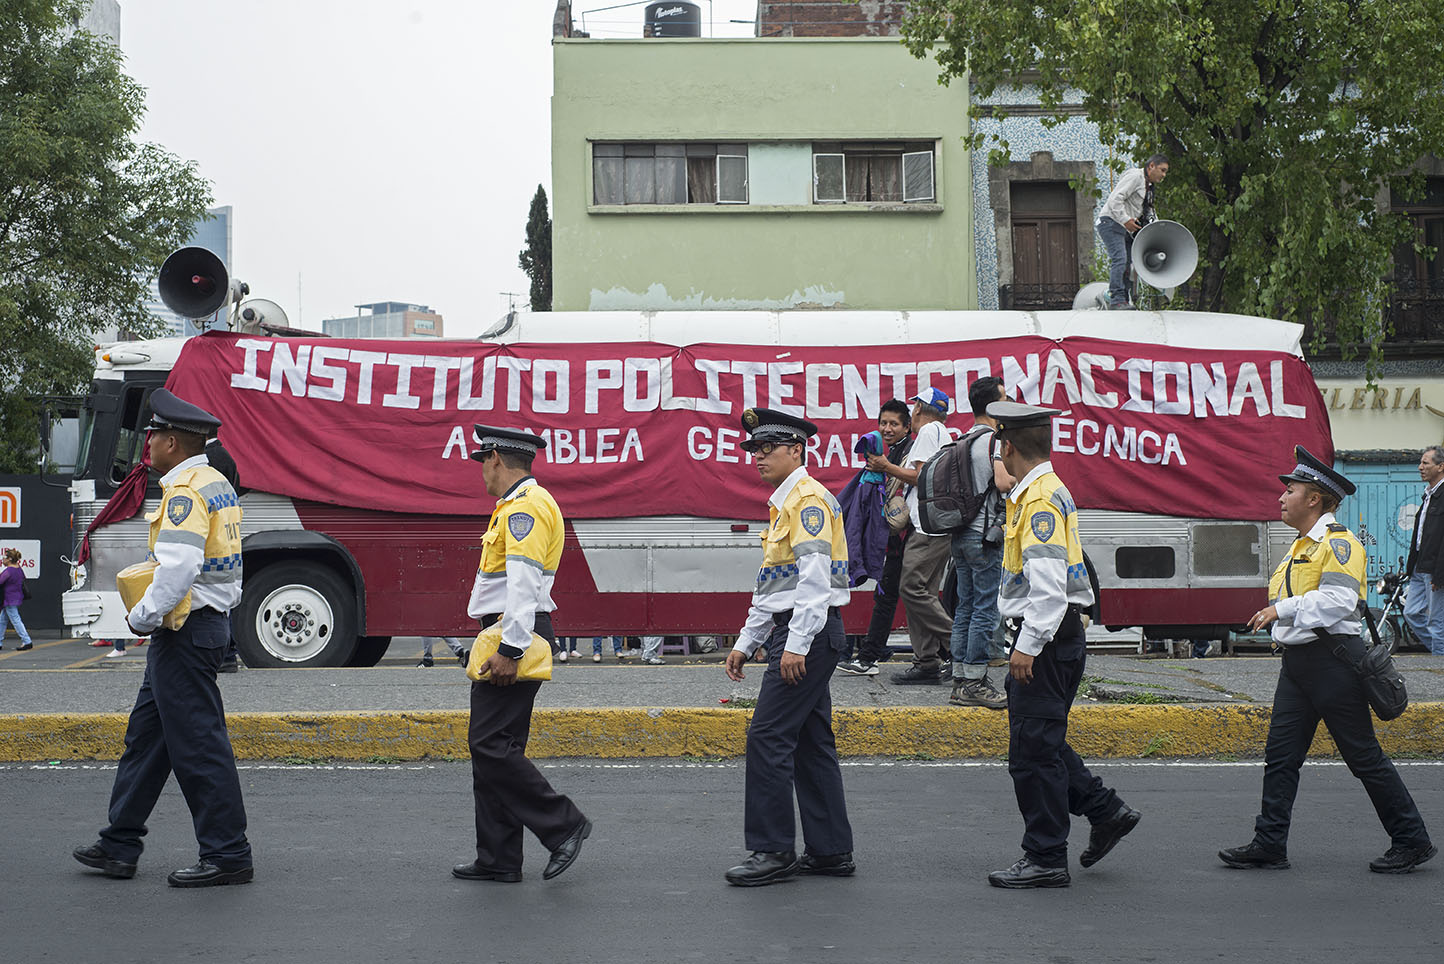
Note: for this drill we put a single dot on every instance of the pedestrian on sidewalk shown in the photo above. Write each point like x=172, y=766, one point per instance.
x=1317, y=593
x=178, y=723
x=1424, y=604
x=977, y=553
x=1044, y=593
x=925, y=554
x=894, y=424
x=451, y=642
x=12, y=594
x=519, y=557
x=794, y=611
x=652, y=650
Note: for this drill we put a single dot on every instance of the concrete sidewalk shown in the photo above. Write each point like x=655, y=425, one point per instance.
x=64, y=701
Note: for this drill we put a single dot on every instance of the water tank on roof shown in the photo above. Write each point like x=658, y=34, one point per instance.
x=672, y=20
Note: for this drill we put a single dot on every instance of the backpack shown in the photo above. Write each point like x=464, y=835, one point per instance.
x=947, y=501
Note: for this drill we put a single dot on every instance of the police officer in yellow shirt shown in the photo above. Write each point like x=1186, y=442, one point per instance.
x=178, y=723
x=794, y=613
x=519, y=557
x=1043, y=596
x=1316, y=597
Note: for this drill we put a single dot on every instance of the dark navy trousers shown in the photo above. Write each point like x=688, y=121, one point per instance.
x=790, y=748
x=1316, y=684
x=179, y=725
x=509, y=791
x=1049, y=779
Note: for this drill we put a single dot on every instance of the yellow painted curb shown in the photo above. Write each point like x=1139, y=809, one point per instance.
x=1097, y=732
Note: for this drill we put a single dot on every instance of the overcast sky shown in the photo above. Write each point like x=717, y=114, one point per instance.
x=372, y=150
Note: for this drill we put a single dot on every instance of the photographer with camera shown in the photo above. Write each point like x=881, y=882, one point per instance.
x=978, y=557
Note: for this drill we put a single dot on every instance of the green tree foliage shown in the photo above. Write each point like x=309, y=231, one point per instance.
x=87, y=214
x=1287, y=122
x=536, y=257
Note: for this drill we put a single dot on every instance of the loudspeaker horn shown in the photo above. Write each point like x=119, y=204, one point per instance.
x=1092, y=295
x=257, y=315
x=1164, y=254
x=194, y=283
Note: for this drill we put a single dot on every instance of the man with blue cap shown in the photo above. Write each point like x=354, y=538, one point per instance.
x=1317, y=593
x=795, y=614
x=178, y=722
x=519, y=557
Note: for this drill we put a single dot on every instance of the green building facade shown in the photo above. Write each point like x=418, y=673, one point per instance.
x=757, y=173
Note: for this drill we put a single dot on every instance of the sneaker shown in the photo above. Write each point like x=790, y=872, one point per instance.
x=627, y=653
x=912, y=675
x=596, y=657
x=426, y=661
x=114, y=653
x=576, y=654
x=1402, y=860
x=977, y=692
x=857, y=667
x=561, y=656
x=653, y=660
x=102, y=642
x=464, y=657
x=1253, y=856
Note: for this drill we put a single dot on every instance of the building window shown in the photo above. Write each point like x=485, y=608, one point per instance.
x=670, y=173
x=890, y=171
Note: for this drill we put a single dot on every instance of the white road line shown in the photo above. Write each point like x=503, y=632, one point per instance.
x=727, y=765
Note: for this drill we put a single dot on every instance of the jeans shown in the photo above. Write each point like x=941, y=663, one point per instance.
x=597, y=644
x=1424, y=612
x=978, y=569
x=13, y=614
x=452, y=643
x=1119, y=245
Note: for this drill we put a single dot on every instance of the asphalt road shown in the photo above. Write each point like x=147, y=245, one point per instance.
x=352, y=866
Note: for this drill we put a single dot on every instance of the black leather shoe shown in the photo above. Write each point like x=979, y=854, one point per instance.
x=1106, y=834
x=913, y=676
x=475, y=871
x=1401, y=860
x=1027, y=873
x=426, y=661
x=95, y=856
x=1254, y=857
x=206, y=874
x=827, y=865
x=761, y=868
x=563, y=856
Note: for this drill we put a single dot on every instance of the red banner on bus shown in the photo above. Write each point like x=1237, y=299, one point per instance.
x=640, y=428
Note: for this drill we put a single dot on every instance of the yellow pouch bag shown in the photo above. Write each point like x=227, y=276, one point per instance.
x=535, y=663
x=133, y=581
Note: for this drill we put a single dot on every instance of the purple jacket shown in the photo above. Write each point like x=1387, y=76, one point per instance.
x=11, y=579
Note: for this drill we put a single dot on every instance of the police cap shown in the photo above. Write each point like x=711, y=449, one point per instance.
x=1314, y=471
x=169, y=412
x=489, y=438
x=1011, y=415
x=764, y=425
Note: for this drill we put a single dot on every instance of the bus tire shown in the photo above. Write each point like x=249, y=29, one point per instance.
x=369, y=650
x=296, y=614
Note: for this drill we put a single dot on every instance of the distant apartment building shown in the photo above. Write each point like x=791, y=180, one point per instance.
x=386, y=319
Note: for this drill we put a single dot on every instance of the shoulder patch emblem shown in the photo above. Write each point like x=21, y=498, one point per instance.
x=1342, y=549
x=519, y=524
x=178, y=508
x=1043, y=525
x=813, y=519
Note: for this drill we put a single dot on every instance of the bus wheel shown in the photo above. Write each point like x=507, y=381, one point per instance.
x=369, y=650
x=296, y=614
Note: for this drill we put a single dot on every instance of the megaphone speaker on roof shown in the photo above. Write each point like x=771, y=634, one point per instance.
x=1164, y=254
x=194, y=283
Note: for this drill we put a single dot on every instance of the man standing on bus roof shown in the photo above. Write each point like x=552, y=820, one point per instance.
x=519, y=557
x=1317, y=593
x=795, y=614
x=179, y=722
x=1044, y=593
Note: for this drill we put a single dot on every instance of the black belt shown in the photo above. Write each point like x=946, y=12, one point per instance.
x=207, y=609
x=783, y=618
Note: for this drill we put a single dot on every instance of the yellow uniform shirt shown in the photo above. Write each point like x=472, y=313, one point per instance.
x=195, y=539
x=804, y=564
x=1043, y=568
x=1319, y=585
x=519, y=557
